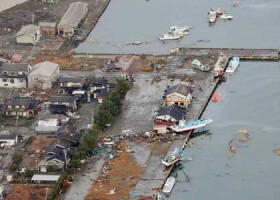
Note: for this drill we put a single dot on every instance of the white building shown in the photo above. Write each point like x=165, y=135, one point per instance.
x=8, y=140
x=43, y=75
x=14, y=75
x=29, y=34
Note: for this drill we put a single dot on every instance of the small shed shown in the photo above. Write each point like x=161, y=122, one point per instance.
x=47, y=28
x=45, y=178
x=8, y=140
x=28, y=34
x=43, y=75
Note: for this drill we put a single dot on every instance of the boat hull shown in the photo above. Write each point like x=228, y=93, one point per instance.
x=168, y=186
x=233, y=64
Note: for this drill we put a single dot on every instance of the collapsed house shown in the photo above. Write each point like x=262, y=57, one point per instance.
x=62, y=104
x=168, y=116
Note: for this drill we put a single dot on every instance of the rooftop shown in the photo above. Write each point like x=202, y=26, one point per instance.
x=47, y=24
x=45, y=177
x=8, y=137
x=174, y=111
x=19, y=67
x=74, y=14
x=30, y=29
x=44, y=68
x=67, y=79
x=180, y=89
x=62, y=99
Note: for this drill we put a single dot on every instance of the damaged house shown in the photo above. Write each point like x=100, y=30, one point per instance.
x=29, y=34
x=14, y=75
x=180, y=95
x=70, y=84
x=59, y=152
x=62, y=104
x=20, y=106
x=43, y=76
x=168, y=116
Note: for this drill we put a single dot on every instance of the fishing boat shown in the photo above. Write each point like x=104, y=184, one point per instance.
x=178, y=28
x=212, y=16
x=233, y=64
x=218, y=11
x=225, y=16
x=190, y=125
x=170, y=36
x=174, y=157
x=160, y=196
x=198, y=65
x=168, y=186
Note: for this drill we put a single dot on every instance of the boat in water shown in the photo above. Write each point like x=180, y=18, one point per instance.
x=212, y=16
x=190, y=125
x=198, y=65
x=226, y=17
x=170, y=36
x=174, y=157
x=178, y=28
x=216, y=97
x=233, y=64
x=168, y=185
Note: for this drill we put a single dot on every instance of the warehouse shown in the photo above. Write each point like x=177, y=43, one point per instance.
x=43, y=76
x=29, y=34
x=72, y=19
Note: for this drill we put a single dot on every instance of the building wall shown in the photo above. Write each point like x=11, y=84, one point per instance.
x=43, y=82
x=160, y=129
x=47, y=30
x=13, y=82
x=25, y=39
x=8, y=143
x=177, y=100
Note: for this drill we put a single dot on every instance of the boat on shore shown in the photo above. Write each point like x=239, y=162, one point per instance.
x=174, y=157
x=233, y=64
x=190, y=125
x=178, y=28
x=168, y=185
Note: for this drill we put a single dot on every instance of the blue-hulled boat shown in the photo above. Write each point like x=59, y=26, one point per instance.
x=190, y=125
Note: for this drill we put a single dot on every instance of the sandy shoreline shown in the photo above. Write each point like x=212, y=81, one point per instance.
x=6, y=4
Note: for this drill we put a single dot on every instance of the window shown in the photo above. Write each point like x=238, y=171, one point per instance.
x=21, y=80
x=4, y=80
x=181, y=104
x=6, y=85
x=16, y=106
x=12, y=73
x=5, y=73
x=176, y=103
x=9, y=106
x=12, y=80
x=36, y=79
x=23, y=107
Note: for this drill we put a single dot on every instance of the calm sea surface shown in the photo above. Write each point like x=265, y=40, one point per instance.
x=255, y=25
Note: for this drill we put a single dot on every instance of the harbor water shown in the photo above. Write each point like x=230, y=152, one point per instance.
x=250, y=99
x=255, y=25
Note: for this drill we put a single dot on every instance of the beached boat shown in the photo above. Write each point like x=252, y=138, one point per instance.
x=218, y=11
x=225, y=16
x=212, y=16
x=198, y=65
x=174, y=157
x=168, y=186
x=190, y=125
x=233, y=64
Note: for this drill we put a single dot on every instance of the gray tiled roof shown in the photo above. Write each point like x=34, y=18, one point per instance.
x=174, y=111
x=30, y=29
x=180, y=89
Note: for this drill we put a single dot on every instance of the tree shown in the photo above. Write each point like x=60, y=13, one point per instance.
x=110, y=106
x=122, y=88
x=103, y=118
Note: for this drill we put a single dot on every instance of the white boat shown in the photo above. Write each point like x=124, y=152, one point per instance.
x=169, y=36
x=233, y=64
x=218, y=11
x=168, y=185
x=174, y=157
x=178, y=28
x=212, y=16
x=198, y=65
x=73, y=115
x=225, y=16
x=190, y=125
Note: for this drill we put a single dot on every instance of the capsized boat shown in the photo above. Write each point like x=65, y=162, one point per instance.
x=168, y=185
x=198, y=65
x=190, y=125
x=233, y=64
x=212, y=16
x=174, y=157
x=225, y=16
